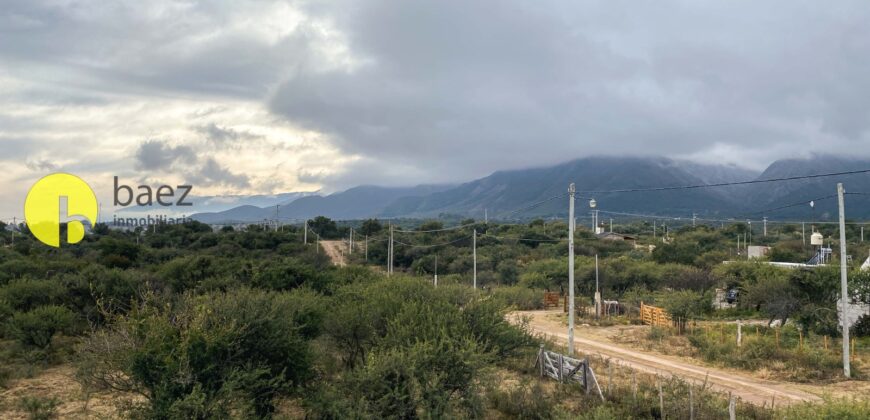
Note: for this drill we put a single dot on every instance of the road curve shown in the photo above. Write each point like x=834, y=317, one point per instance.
x=749, y=389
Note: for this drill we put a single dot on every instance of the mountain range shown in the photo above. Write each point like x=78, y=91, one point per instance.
x=526, y=193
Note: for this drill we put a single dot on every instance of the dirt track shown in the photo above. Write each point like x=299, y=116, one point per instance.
x=335, y=250
x=748, y=388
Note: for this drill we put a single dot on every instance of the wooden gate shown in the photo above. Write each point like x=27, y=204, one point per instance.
x=565, y=368
x=653, y=315
x=551, y=300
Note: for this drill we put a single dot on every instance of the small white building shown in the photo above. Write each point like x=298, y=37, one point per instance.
x=758, y=251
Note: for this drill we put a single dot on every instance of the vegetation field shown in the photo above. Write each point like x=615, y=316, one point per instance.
x=189, y=322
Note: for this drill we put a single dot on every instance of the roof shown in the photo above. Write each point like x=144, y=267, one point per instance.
x=615, y=235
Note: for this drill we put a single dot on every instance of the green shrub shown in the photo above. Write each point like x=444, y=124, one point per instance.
x=26, y=294
x=209, y=356
x=523, y=401
x=39, y=408
x=35, y=328
x=519, y=297
x=287, y=274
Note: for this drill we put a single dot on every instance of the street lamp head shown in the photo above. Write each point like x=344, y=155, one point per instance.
x=592, y=203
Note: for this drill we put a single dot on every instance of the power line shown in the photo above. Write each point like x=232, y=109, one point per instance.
x=433, y=245
x=435, y=230
x=726, y=184
x=533, y=205
x=523, y=239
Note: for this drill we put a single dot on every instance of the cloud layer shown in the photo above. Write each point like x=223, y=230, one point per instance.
x=273, y=96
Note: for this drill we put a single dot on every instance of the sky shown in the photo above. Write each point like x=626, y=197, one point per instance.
x=264, y=97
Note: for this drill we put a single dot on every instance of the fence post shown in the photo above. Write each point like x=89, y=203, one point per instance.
x=609, y=375
x=739, y=333
x=634, y=385
x=561, y=368
x=661, y=398
x=541, y=359
x=776, y=330
x=691, y=403
x=586, y=374
x=801, y=339
x=732, y=408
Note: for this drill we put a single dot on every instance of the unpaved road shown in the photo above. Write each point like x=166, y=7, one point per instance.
x=335, y=251
x=750, y=389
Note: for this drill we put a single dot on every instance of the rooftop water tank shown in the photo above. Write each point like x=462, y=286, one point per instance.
x=816, y=239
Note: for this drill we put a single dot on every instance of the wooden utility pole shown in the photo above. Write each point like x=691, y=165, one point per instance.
x=844, y=290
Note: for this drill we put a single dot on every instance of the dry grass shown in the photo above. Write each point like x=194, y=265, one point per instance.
x=58, y=383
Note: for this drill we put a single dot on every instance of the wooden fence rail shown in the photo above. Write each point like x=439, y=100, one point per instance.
x=653, y=315
x=565, y=368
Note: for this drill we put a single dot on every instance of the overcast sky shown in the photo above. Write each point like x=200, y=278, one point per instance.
x=272, y=96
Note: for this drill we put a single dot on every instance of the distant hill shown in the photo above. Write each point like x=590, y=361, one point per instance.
x=779, y=194
x=511, y=194
x=210, y=205
x=506, y=191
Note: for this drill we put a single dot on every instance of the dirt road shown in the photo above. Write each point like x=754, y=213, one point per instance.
x=748, y=388
x=335, y=250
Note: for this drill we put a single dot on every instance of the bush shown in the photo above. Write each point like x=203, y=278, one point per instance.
x=519, y=297
x=524, y=401
x=36, y=328
x=210, y=356
x=287, y=274
x=39, y=408
x=26, y=294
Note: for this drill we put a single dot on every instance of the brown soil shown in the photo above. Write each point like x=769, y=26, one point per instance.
x=606, y=342
x=335, y=250
x=58, y=383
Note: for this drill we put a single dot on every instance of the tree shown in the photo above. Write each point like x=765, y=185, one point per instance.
x=775, y=295
x=370, y=227
x=324, y=226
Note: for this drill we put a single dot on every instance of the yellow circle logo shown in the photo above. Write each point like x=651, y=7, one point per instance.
x=44, y=210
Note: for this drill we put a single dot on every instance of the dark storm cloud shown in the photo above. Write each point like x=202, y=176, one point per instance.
x=492, y=84
x=158, y=154
x=448, y=90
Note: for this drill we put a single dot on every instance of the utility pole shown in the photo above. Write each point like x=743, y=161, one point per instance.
x=844, y=290
x=803, y=233
x=571, y=268
x=694, y=216
x=611, y=225
x=485, y=216
x=474, y=245
x=367, y=248
x=765, y=226
x=597, y=291
x=862, y=233
x=654, y=230
x=305, y=234
x=436, y=270
x=749, y=222
x=738, y=244
x=14, y=226
x=390, y=257
x=277, y=219
x=350, y=242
